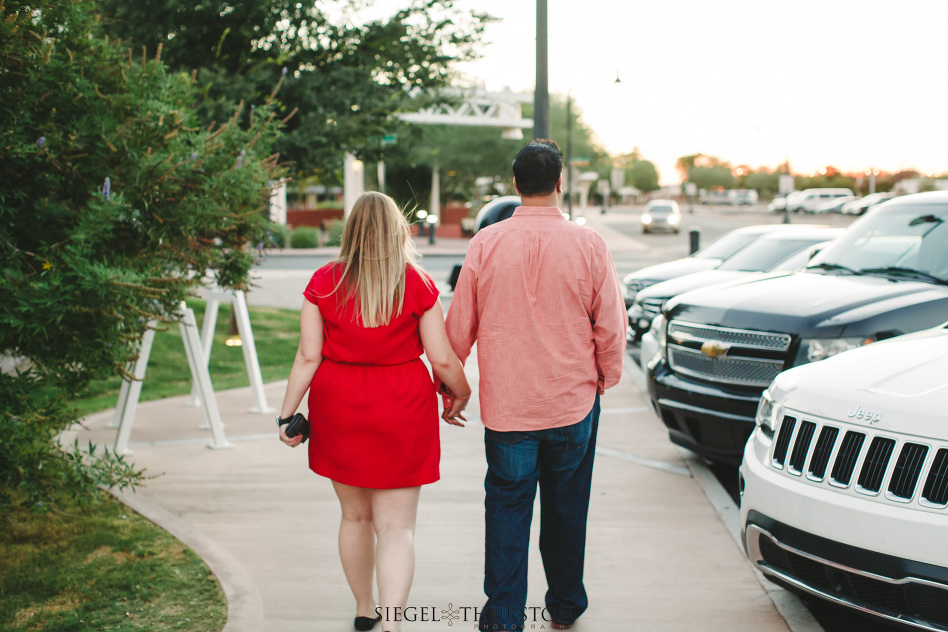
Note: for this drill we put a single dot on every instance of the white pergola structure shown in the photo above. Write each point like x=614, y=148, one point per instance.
x=476, y=108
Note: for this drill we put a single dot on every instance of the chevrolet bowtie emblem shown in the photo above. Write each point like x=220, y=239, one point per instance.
x=714, y=349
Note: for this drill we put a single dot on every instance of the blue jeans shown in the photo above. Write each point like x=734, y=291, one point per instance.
x=561, y=461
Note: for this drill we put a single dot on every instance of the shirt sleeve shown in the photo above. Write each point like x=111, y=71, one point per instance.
x=461, y=322
x=314, y=289
x=610, y=322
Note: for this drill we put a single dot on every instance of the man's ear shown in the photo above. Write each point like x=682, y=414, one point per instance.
x=516, y=188
x=559, y=184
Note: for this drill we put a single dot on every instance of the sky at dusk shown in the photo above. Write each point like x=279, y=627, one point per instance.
x=849, y=83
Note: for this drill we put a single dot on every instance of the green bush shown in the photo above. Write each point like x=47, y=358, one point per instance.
x=277, y=236
x=304, y=237
x=115, y=204
x=334, y=237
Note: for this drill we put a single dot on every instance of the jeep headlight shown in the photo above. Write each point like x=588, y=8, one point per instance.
x=674, y=219
x=768, y=413
x=646, y=219
x=815, y=349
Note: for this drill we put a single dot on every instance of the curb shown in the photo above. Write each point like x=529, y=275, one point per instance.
x=244, y=605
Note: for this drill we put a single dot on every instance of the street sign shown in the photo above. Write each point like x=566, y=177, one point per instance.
x=785, y=184
x=391, y=139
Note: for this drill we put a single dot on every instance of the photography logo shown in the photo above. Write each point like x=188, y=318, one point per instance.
x=450, y=615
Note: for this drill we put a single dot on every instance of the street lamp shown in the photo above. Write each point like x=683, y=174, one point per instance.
x=872, y=179
x=421, y=215
x=541, y=97
x=432, y=221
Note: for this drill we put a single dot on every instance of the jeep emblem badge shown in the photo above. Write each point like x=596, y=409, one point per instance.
x=714, y=349
x=861, y=413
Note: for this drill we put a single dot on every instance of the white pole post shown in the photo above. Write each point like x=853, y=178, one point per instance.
x=353, y=182
x=250, y=352
x=131, y=391
x=199, y=373
x=207, y=338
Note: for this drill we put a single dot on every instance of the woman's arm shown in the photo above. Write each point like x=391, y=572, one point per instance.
x=308, y=357
x=445, y=363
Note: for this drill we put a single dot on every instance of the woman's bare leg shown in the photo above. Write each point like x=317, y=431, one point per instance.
x=357, y=544
x=393, y=514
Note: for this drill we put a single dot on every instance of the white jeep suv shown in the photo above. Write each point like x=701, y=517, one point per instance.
x=844, y=483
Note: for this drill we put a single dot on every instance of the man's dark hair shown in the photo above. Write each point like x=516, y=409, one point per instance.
x=537, y=167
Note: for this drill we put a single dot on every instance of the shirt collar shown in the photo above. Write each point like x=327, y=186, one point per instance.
x=538, y=210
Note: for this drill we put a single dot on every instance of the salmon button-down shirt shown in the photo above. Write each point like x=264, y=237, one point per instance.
x=540, y=296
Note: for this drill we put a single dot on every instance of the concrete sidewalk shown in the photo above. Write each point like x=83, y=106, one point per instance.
x=660, y=556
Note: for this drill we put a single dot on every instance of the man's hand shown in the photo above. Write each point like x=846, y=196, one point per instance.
x=452, y=405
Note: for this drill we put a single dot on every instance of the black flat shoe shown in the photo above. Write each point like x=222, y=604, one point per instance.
x=363, y=624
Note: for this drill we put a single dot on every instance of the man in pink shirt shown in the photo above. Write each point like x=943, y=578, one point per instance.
x=541, y=297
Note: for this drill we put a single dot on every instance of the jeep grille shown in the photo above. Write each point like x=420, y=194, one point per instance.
x=865, y=460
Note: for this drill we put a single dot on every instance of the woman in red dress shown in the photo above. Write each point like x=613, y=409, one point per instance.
x=373, y=408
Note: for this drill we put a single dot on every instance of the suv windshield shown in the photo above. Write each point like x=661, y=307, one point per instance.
x=725, y=246
x=764, y=254
x=899, y=240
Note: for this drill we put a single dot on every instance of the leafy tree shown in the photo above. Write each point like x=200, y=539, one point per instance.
x=585, y=143
x=462, y=153
x=707, y=172
x=764, y=182
x=344, y=80
x=115, y=203
x=640, y=173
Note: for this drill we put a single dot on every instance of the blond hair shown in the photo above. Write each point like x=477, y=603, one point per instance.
x=376, y=249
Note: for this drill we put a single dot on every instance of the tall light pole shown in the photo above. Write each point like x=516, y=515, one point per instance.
x=541, y=98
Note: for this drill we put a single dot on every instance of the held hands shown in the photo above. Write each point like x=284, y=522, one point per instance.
x=453, y=406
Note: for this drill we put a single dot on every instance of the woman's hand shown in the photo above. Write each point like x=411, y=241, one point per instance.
x=452, y=410
x=295, y=441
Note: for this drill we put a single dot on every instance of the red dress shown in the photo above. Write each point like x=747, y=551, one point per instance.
x=373, y=406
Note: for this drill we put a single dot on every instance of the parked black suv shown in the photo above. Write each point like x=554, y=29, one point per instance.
x=719, y=349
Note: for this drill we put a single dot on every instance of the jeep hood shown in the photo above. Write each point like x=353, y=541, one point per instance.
x=898, y=385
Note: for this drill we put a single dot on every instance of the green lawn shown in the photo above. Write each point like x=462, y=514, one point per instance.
x=104, y=567
x=101, y=567
x=276, y=335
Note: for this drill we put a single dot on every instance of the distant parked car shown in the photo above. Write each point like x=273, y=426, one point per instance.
x=717, y=196
x=844, y=483
x=834, y=206
x=497, y=210
x=742, y=197
x=777, y=205
x=772, y=252
x=790, y=202
x=809, y=199
x=661, y=215
x=708, y=257
x=861, y=205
